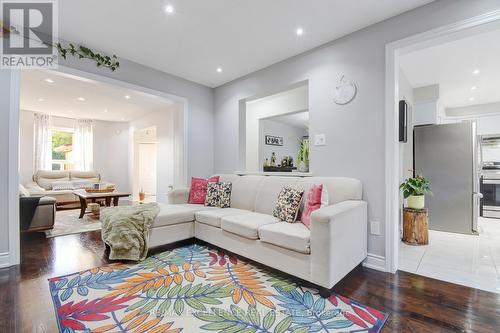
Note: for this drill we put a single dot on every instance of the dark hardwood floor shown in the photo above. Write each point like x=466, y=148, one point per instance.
x=414, y=303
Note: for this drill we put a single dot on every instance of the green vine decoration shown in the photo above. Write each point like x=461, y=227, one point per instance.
x=83, y=52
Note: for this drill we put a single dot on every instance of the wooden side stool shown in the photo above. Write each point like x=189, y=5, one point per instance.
x=415, y=226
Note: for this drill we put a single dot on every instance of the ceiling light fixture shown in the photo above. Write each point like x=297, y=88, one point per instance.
x=122, y=119
x=476, y=71
x=70, y=111
x=41, y=100
x=49, y=80
x=473, y=88
x=219, y=70
x=471, y=99
x=127, y=97
x=81, y=99
x=169, y=9
x=106, y=110
x=299, y=31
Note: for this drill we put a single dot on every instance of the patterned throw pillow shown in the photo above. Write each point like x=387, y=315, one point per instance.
x=198, y=190
x=288, y=204
x=218, y=195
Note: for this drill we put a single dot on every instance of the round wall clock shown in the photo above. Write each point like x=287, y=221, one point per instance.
x=344, y=92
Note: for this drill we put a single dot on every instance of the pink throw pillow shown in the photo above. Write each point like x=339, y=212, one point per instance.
x=313, y=202
x=198, y=190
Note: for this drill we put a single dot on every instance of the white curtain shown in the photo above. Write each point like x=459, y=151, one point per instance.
x=83, y=145
x=43, y=142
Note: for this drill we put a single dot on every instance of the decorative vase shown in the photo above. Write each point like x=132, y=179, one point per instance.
x=303, y=167
x=416, y=201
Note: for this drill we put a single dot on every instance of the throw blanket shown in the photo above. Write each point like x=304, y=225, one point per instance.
x=126, y=230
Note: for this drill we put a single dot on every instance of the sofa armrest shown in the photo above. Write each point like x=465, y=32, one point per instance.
x=338, y=240
x=34, y=189
x=178, y=196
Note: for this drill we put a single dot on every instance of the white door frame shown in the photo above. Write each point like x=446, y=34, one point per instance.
x=14, y=253
x=393, y=50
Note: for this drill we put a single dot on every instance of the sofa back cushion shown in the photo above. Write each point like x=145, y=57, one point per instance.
x=259, y=193
x=45, y=178
x=339, y=188
x=244, y=191
x=268, y=192
x=91, y=176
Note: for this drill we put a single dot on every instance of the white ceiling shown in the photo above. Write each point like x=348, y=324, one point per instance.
x=298, y=119
x=200, y=36
x=103, y=101
x=451, y=65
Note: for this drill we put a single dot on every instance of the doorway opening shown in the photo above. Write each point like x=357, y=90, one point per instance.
x=78, y=136
x=145, y=172
x=441, y=91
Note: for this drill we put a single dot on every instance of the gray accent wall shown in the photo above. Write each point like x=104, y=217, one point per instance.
x=355, y=145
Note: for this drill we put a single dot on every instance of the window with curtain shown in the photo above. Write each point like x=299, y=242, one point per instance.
x=62, y=148
x=83, y=145
x=43, y=142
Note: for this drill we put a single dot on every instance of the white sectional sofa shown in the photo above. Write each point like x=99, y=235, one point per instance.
x=323, y=254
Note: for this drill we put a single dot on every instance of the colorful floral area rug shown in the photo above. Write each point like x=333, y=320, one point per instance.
x=198, y=289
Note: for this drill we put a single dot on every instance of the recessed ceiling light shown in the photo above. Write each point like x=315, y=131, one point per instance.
x=122, y=119
x=476, y=71
x=81, y=99
x=49, y=80
x=127, y=97
x=41, y=100
x=299, y=31
x=473, y=88
x=70, y=111
x=219, y=70
x=169, y=9
x=471, y=99
x=105, y=110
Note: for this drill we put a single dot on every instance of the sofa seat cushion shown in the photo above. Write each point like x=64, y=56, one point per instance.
x=62, y=195
x=247, y=225
x=213, y=216
x=292, y=236
x=175, y=214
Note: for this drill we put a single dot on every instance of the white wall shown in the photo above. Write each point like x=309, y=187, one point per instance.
x=164, y=123
x=354, y=132
x=290, y=134
x=111, y=152
x=290, y=101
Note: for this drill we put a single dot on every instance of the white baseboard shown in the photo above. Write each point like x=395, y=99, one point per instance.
x=4, y=259
x=374, y=261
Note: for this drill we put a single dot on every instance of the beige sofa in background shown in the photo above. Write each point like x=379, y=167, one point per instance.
x=43, y=181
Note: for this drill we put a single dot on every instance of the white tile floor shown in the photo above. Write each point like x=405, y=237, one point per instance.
x=469, y=260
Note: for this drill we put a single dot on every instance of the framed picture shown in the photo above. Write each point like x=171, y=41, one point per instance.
x=274, y=140
x=403, y=121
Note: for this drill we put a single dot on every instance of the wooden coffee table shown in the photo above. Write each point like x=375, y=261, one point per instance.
x=93, y=197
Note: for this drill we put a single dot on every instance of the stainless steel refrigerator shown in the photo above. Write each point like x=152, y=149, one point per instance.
x=447, y=155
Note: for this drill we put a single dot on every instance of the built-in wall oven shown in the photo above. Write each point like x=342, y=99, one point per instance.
x=490, y=176
x=490, y=203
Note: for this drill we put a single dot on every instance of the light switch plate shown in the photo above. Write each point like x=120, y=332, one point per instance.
x=320, y=140
x=375, y=228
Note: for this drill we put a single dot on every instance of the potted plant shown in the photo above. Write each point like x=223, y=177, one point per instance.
x=303, y=156
x=414, y=189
